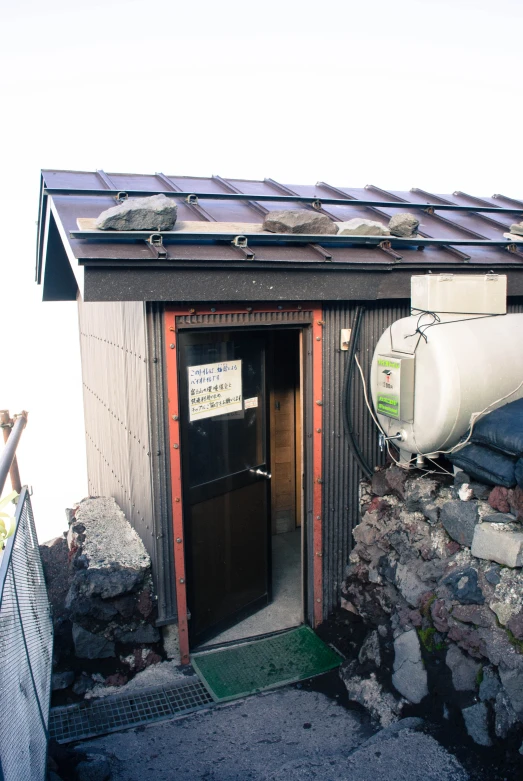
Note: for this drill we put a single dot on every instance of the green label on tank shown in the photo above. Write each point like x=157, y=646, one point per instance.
x=389, y=364
x=388, y=405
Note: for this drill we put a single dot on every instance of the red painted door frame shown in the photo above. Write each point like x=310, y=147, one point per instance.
x=171, y=370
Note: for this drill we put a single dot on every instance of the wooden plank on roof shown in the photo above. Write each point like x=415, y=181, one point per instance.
x=188, y=226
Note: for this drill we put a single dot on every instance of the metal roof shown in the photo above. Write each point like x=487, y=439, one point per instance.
x=455, y=229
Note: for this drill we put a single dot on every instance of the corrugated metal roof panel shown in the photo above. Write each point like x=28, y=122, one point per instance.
x=136, y=181
x=446, y=224
x=73, y=179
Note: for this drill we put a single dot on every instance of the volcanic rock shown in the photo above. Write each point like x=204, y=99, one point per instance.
x=409, y=677
x=459, y=519
x=464, y=586
x=90, y=646
x=155, y=213
x=299, y=221
x=498, y=499
x=361, y=227
x=464, y=670
x=405, y=225
x=476, y=723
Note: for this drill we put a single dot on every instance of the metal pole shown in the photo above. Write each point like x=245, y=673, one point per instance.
x=7, y=424
x=312, y=200
x=8, y=456
x=252, y=239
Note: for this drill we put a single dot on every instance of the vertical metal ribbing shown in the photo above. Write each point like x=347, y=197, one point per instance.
x=160, y=477
x=342, y=473
x=226, y=319
x=112, y=332
x=116, y=407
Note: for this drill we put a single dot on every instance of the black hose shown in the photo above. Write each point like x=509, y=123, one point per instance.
x=346, y=396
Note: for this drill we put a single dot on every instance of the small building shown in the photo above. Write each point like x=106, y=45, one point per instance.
x=222, y=406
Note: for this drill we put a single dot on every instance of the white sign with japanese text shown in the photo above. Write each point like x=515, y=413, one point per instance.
x=214, y=389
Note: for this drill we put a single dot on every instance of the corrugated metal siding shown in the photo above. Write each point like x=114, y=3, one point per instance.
x=114, y=373
x=160, y=471
x=341, y=473
x=224, y=320
x=125, y=418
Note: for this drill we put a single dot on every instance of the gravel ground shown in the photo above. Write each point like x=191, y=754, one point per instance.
x=285, y=735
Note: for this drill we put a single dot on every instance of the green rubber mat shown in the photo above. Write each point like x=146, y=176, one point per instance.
x=232, y=672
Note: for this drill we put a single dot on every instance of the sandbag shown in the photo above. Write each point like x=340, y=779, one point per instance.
x=502, y=429
x=518, y=472
x=486, y=465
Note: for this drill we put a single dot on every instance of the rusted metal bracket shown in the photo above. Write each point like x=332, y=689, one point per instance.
x=513, y=249
x=241, y=243
x=458, y=253
x=190, y=198
x=386, y=246
x=321, y=251
x=155, y=244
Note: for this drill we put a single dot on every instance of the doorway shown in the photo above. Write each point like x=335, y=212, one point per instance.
x=241, y=394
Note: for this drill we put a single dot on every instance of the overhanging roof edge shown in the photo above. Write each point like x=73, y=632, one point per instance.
x=206, y=250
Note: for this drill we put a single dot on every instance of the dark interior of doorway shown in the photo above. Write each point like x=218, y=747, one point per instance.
x=286, y=607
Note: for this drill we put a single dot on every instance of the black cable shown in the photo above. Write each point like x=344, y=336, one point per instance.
x=424, y=327
x=436, y=320
x=346, y=396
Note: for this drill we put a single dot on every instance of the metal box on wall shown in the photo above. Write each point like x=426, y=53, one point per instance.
x=395, y=386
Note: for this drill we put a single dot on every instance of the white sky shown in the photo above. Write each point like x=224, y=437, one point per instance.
x=411, y=93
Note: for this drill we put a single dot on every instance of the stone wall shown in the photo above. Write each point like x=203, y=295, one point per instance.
x=100, y=585
x=436, y=577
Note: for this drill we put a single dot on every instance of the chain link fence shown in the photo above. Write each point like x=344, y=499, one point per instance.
x=26, y=647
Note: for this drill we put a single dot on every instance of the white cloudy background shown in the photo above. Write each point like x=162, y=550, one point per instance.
x=399, y=94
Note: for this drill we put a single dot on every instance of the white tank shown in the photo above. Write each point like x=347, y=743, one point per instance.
x=461, y=369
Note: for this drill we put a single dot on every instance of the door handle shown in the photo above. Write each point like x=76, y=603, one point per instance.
x=261, y=473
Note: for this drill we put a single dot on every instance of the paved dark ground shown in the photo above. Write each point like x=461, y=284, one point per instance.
x=286, y=735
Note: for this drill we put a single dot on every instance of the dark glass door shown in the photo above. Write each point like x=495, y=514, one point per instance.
x=225, y=475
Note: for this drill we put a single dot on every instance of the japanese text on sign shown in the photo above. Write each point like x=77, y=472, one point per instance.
x=214, y=389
